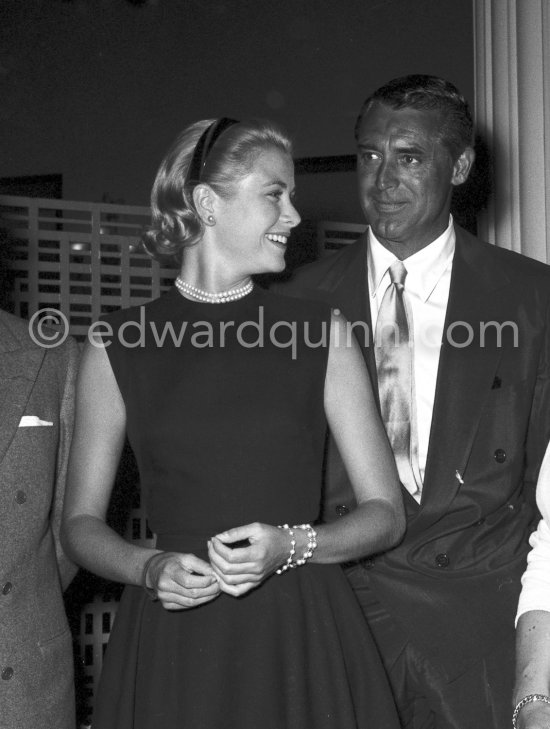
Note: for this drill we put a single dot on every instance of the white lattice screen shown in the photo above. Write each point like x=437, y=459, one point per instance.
x=84, y=259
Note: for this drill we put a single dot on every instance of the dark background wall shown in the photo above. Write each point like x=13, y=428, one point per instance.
x=97, y=89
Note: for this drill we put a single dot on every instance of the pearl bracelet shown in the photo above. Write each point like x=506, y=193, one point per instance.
x=311, y=543
x=289, y=563
x=527, y=700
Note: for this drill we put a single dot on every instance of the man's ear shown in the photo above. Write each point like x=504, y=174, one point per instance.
x=203, y=198
x=463, y=166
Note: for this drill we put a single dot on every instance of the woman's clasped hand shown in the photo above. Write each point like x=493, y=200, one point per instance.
x=239, y=569
x=181, y=581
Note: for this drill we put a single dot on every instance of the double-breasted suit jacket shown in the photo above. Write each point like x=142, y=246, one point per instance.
x=453, y=582
x=36, y=417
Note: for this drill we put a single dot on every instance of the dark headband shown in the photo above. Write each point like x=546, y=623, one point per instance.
x=204, y=146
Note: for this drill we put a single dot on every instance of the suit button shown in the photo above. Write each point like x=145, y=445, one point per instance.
x=6, y=588
x=20, y=497
x=341, y=510
x=500, y=455
x=442, y=560
x=7, y=673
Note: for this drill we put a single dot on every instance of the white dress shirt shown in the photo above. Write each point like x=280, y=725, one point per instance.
x=535, y=593
x=426, y=296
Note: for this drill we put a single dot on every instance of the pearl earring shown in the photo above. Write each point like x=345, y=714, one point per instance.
x=211, y=220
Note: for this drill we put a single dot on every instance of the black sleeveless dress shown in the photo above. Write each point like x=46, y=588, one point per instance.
x=225, y=415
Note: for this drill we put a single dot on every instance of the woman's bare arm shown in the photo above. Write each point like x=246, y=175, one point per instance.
x=181, y=580
x=375, y=525
x=533, y=668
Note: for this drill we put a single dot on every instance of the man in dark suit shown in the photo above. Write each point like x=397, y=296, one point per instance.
x=476, y=324
x=36, y=417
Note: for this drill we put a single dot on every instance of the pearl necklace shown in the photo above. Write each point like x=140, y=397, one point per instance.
x=193, y=292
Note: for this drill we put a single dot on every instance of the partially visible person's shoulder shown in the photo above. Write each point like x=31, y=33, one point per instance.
x=330, y=263
x=305, y=279
x=521, y=264
x=60, y=349
x=17, y=327
x=515, y=265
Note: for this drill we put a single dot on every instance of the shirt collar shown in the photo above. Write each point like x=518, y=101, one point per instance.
x=424, y=269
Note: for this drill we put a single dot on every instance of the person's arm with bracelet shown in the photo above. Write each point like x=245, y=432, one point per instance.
x=376, y=524
x=178, y=580
x=532, y=690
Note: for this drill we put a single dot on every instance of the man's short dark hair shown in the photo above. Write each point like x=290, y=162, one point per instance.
x=419, y=91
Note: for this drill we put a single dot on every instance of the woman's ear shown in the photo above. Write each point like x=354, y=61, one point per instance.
x=203, y=198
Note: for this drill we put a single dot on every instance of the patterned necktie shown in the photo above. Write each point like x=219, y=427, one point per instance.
x=394, y=364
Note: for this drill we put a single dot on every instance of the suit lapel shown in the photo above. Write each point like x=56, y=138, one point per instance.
x=346, y=284
x=19, y=366
x=478, y=293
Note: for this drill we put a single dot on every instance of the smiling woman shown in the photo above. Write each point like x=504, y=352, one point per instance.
x=228, y=186
x=251, y=621
x=253, y=223
x=215, y=158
